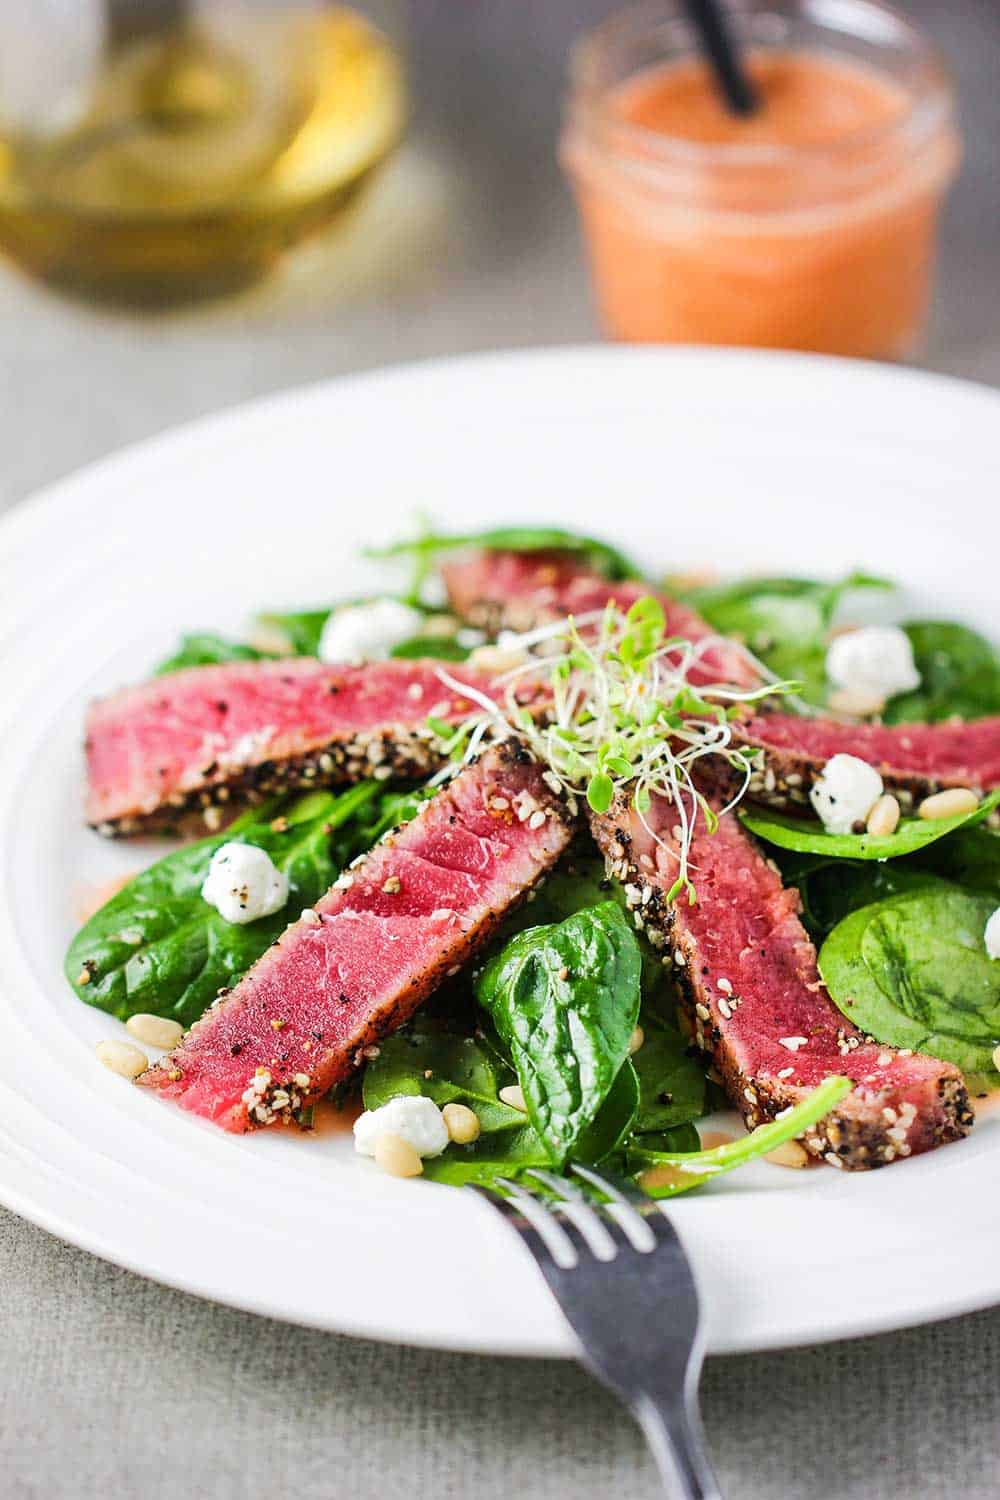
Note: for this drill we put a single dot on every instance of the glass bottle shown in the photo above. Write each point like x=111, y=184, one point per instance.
x=158, y=150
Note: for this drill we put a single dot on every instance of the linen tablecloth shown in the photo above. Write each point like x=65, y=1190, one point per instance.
x=113, y=1386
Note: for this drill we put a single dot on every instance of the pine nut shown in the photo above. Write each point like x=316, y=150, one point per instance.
x=121, y=1058
x=513, y=1095
x=635, y=1041
x=949, y=804
x=495, y=659
x=462, y=1124
x=155, y=1031
x=884, y=817
x=397, y=1157
x=788, y=1154
x=996, y=1058
x=855, y=702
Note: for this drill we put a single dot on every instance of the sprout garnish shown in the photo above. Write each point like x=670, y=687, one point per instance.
x=623, y=715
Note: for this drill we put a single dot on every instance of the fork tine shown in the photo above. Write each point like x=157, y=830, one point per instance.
x=558, y=1244
x=518, y=1221
x=629, y=1208
x=580, y=1215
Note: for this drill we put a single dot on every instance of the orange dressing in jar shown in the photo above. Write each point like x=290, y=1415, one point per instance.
x=809, y=224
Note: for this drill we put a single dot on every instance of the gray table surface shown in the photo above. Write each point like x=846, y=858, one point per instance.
x=112, y=1385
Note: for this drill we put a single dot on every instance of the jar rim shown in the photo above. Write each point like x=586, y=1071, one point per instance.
x=929, y=108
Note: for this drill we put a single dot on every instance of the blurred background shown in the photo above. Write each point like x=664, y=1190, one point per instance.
x=466, y=238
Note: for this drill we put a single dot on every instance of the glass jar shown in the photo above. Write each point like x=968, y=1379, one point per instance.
x=155, y=150
x=812, y=230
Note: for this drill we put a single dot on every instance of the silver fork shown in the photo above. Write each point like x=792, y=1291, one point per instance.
x=623, y=1281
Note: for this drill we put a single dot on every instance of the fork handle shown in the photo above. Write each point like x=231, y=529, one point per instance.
x=677, y=1445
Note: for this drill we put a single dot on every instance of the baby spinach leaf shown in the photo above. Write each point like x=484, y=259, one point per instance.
x=683, y=1170
x=784, y=621
x=440, y=647
x=204, y=649
x=158, y=947
x=959, y=674
x=592, y=553
x=615, y=1119
x=914, y=972
x=447, y=1067
x=803, y=836
x=578, y=882
x=671, y=1082
x=970, y=858
x=836, y=889
x=677, y=1138
x=298, y=631
x=464, y=1070
x=565, y=1000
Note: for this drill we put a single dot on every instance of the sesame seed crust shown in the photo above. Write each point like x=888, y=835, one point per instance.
x=914, y=760
x=396, y=752
x=864, y=1131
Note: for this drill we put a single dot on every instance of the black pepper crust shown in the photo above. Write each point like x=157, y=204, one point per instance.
x=856, y=1135
x=391, y=753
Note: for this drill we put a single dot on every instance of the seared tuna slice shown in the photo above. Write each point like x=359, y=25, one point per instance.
x=914, y=759
x=748, y=976
x=208, y=736
x=383, y=937
x=519, y=590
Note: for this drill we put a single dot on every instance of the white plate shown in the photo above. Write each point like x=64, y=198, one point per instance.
x=744, y=461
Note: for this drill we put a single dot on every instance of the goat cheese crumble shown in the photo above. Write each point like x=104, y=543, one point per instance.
x=991, y=937
x=368, y=632
x=243, y=883
x=845, y=793
x=875, y=660
x=414, y=1117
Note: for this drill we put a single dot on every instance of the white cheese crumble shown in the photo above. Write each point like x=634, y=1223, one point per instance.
x=875, y=661
x=845, y=793
x=368, y=632
x=412, y=1116
x=991, y=937
x=243, y=883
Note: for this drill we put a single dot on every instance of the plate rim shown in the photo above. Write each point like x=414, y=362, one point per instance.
x=38, y=509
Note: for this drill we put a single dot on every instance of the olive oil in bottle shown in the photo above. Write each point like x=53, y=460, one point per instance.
x=188, y=157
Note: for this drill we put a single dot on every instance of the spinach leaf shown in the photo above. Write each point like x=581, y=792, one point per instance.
x=593, y=553
x=300, y=634
x=299, y=631
x=615, y=1119
x=565, y=1000
x=682, y=1170
x=970, y=858
x=784, y=621
x=671, y=1083
x=804, y=836
x=578, y=882
x=959, y=674
x=440, y=647
x=913, y=971
x=444, y=1066
x=677, y=1138
x=158, y=947
x=465, y=1070
x=841, y=886
x=204, y=649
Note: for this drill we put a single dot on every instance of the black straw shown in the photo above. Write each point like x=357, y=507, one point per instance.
x=713, y=28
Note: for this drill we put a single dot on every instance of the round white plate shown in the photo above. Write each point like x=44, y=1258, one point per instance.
x=688, y=458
